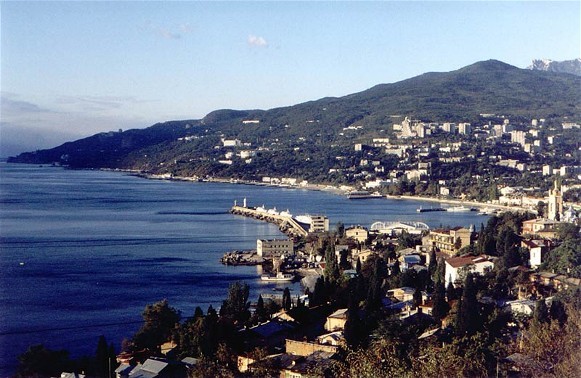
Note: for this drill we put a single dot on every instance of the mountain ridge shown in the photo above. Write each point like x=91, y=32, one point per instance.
x=461, y=95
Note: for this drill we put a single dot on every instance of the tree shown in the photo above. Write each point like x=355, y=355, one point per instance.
x=102, y=358
x=236, y=306
x=468, y=314
x=41, y=361
x=260, y=311
x=332, y=274
x=440, y=307
x=417, y=297
x=541, y=209
x=286, y=299
x=541, y=312
x=353, y=326
x=160, y=320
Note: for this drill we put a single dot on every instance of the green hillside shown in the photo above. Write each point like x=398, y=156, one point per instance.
x=490, y=87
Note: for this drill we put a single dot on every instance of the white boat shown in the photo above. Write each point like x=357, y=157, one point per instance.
x=304, y=219
x=286, y=214
x=280, y=277
x=458, y=209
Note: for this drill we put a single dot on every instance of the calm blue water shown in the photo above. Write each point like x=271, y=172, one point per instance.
x=83, y=252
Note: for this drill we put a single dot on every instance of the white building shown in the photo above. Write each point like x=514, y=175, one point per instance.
x=456, y=268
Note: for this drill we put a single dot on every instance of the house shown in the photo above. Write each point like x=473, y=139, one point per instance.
x=449, y=241
x=357, y=233
x=409, y=261
x=538, y=249
x=540, y=227
x=305, y=348
x=336, y=321
x=523, y=306
x=457, y=267
x=335, y=338
x=270, y=334
x=305, y=366
x=402, y=294
x=158, y=368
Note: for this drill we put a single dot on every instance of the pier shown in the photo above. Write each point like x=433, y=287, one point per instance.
x=286, y=224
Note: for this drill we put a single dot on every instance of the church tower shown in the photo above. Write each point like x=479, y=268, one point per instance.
x=555, y=202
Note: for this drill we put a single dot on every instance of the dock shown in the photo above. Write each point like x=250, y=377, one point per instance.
x=287, y=225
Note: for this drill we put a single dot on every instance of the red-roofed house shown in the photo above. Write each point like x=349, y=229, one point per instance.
x=457, y=267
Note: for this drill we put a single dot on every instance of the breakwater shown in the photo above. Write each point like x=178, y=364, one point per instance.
x=285, y=224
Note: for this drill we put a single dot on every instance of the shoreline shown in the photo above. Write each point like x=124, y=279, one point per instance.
x=329, y=189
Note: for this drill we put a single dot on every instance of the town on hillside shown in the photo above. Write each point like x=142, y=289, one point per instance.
x=396, y=299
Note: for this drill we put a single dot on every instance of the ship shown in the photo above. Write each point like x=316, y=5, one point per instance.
x=459, y=209
x=280, y=277
x=362, y=194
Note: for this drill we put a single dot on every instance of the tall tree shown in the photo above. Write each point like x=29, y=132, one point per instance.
x=440, y=306
x=468, y=314
x=236, y=306
x=286, y=299
x=160, y=320
x=102, y=358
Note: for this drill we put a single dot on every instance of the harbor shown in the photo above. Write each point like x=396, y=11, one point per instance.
x=284, y=220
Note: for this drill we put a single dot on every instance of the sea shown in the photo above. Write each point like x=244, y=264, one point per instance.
x=82, y=252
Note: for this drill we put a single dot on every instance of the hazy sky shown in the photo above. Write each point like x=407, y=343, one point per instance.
x=71, y=69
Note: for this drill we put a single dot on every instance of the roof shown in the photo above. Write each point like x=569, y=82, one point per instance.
x=149, y=369
x=124, y=368
x=271, y=328
x=458, y=262
x=340, y=314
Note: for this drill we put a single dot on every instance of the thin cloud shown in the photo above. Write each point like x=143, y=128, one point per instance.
x=257, y=41
x=11, y=106
x=169, y=33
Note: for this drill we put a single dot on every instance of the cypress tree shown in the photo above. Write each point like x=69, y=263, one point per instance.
x=468, y=315
x=260, y=310
x=102, y=357
x=440, y=306
x=286, y=299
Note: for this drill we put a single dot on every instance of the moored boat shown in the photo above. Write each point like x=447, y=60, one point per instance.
x=280, y=277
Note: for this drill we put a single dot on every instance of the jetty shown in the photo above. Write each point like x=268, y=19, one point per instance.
x=286, y=224
x=242, y=258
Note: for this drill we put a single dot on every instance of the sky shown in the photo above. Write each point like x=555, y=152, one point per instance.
x=71, y=69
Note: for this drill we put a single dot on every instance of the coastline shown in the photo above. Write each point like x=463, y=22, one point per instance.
x=329, y=189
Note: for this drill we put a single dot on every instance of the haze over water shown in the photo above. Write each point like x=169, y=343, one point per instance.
x=83, y=252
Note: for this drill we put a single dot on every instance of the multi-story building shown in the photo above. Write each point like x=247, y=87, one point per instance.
x=449, y=241
x=319, y=223
x=357, y=233
x=274, y=247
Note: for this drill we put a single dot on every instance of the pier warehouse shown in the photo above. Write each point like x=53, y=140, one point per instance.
x=274, y=248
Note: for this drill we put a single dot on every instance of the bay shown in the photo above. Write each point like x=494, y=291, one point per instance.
x=83, y=252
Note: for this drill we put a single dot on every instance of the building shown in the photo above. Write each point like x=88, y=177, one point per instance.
x=274, y=247
x=231, y=142
x=555, y=203
x=538, y=249
x=357, y=233
x=402, y=294
x=336, y=321
x=319, y=223
x=450, y=241
x=541, y=227
x=457, y=267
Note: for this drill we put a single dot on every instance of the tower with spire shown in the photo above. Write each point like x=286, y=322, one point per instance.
x=555, y=202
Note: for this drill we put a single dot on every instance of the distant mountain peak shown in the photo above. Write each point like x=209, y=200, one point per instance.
x=572, y=66
x=488, y=65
